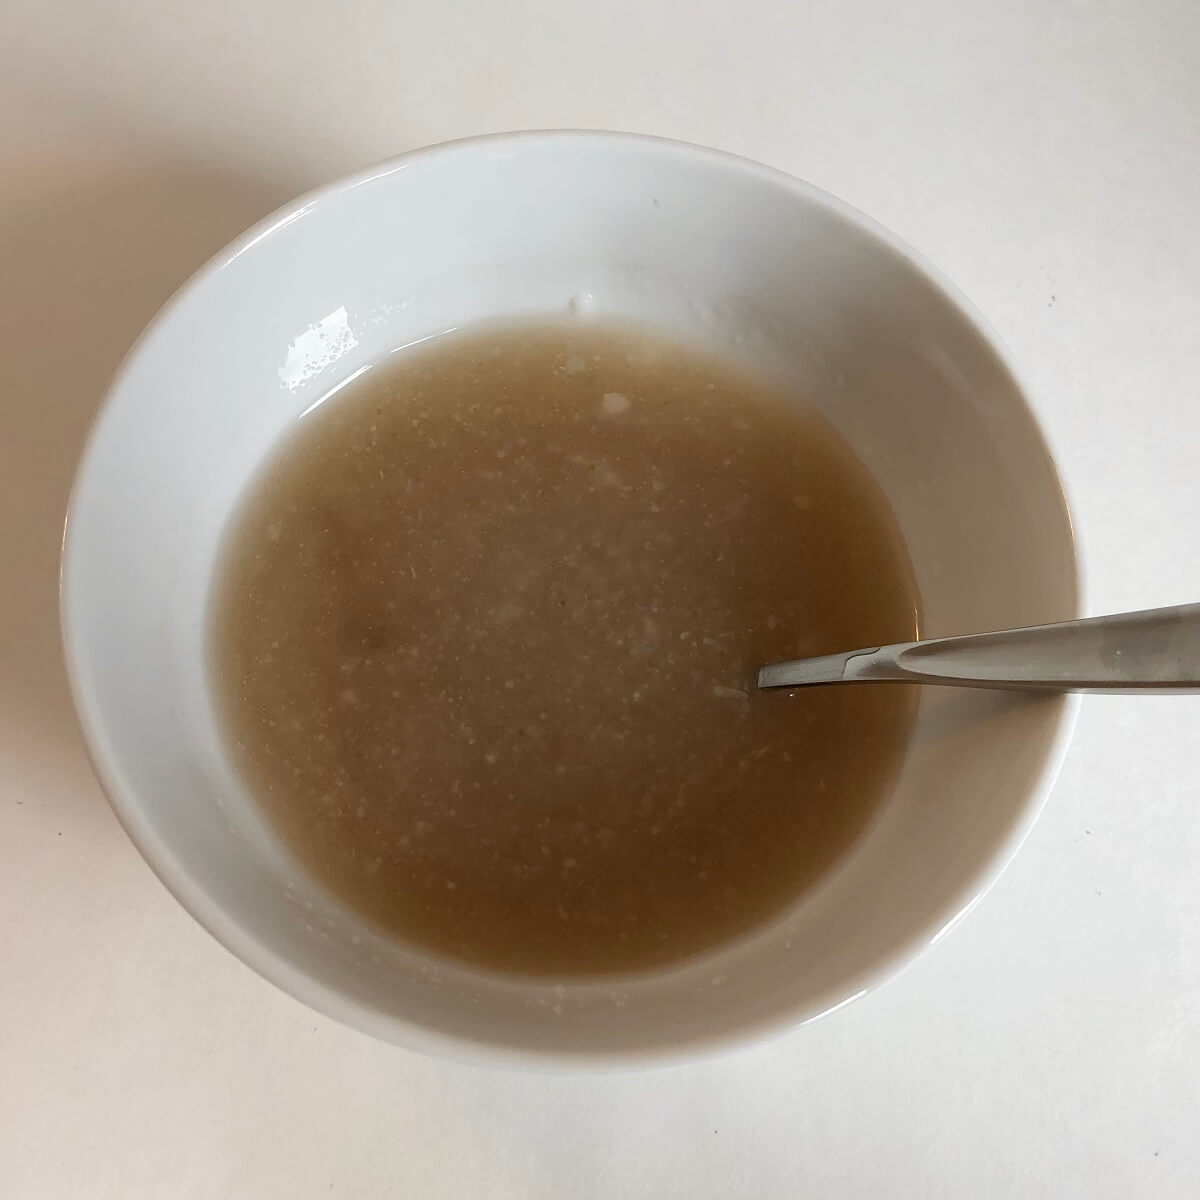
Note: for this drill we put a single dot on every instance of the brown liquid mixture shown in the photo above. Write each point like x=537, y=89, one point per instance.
x=485, y=637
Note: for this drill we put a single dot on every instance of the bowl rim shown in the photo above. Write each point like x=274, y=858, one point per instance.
x=328, y=998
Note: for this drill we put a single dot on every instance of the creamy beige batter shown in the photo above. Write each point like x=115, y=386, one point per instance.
x=484, y=639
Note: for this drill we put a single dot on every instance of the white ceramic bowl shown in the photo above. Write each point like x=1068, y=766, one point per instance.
x=689, y=240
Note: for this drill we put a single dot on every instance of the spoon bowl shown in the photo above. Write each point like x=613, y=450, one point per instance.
x=692, y=243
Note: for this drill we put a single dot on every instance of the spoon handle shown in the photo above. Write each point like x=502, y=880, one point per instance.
x=1157, y=649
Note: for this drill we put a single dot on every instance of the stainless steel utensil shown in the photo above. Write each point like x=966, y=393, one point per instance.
x=1157, y=649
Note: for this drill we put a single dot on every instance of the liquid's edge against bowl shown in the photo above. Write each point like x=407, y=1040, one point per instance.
x=301, y=985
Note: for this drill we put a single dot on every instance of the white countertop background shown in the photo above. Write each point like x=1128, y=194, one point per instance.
x=1046, y=155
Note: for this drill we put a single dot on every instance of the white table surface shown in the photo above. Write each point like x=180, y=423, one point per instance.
x=1046, y=154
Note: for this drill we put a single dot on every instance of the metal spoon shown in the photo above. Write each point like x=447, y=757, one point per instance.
x=1157, y=649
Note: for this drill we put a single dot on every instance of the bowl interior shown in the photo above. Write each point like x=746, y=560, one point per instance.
x=699, y=245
